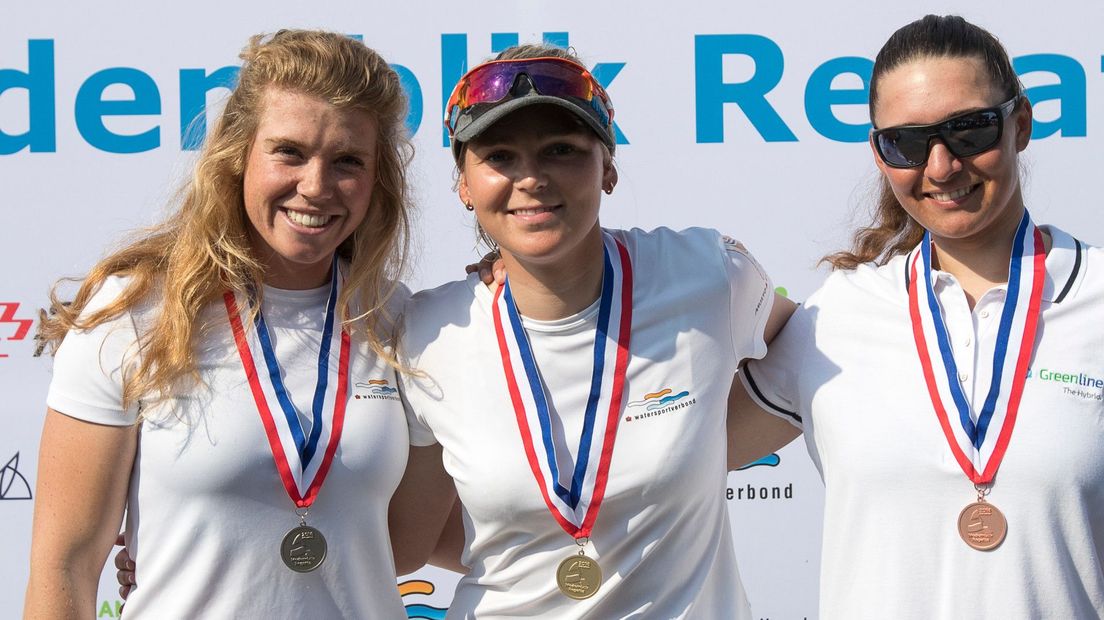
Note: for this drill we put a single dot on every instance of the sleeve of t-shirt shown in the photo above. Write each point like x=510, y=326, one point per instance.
x=420, y=433
x=751, y=297
x=87, y=381
x=772, y=381
x=409, y=389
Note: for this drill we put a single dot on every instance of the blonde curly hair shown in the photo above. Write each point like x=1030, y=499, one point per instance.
x=202, y=249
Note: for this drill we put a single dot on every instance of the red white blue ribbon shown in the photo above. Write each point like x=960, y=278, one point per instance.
x=293, y=450
x=978, y=434
x=574, y=498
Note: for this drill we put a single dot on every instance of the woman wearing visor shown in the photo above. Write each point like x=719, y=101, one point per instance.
x=960, y=448
x=578, y=408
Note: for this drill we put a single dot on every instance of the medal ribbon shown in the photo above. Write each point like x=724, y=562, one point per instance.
x=576, y=507
x=977, y=457
x=302, y=475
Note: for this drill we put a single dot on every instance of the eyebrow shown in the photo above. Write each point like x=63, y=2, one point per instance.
x=341, y=150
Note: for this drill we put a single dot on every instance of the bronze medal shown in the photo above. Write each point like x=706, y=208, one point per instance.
x=579, y=577
x=303, y=549
x=982, y=525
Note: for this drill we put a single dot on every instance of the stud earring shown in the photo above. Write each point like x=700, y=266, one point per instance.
x=469, y=206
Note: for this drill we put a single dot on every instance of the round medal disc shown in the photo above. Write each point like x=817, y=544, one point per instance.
x=982, y=526
x=579, y=577
x=303, y=549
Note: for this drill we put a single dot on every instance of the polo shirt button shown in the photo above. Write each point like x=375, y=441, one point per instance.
x=962, y=376
x=984, y=314
x=966, y=342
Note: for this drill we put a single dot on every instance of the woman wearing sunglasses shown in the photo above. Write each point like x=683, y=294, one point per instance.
x=960, y=447
x=578, y=408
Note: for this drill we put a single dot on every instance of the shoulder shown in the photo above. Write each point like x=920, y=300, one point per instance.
x=1073, y=267
x=664, y=237
x=429, y=312
x=859, y=286
x=664, y=250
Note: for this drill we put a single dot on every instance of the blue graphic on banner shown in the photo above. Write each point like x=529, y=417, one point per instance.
x=94, y=105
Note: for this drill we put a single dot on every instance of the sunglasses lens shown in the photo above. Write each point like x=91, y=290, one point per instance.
x=972, y=133
x=494, y=81
x=966, y=135
x=904, y=147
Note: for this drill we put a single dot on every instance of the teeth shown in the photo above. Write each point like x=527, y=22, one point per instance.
x=958, y=193
x=531, y=211
x=307, y=219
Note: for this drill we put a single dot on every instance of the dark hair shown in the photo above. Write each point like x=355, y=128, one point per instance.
x=892, y=230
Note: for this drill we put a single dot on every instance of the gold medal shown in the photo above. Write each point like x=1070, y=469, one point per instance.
x=303, y=549
x=579, y=577
x=982, y=525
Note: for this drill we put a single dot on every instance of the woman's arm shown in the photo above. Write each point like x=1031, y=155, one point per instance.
x=83, y=475
x=450, y=545
x=420, y=508
x=752, y=432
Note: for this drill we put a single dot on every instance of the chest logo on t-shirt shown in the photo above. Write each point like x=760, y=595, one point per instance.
x=1072, y=383
x=658, y=403
x=375, y=389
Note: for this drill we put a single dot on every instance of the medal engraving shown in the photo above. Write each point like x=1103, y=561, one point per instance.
x=982, y=526
x=579, y=577
x=303, y=549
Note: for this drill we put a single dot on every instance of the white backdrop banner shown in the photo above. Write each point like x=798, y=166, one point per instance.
x=746, y=117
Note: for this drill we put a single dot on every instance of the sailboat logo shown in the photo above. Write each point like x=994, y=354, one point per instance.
x=12, y=483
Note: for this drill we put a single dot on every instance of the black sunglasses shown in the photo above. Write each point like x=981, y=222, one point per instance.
x=907, y=146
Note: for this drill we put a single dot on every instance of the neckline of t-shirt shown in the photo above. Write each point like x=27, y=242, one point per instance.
x=308, y=296
x=584, y=317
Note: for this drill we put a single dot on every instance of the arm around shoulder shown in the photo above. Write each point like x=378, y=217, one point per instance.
x=83, y=476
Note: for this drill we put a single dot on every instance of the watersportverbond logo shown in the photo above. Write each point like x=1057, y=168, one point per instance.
x=376, y=389
x=1076, y=384
x=658, y=403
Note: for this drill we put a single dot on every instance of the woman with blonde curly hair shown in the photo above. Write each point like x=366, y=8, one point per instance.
x=227, y=378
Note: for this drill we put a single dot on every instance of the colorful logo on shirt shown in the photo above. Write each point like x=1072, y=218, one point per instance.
x=12, y=483
x=658, y=403
x=1073, y=382
x=375, y=389
x=420, y=611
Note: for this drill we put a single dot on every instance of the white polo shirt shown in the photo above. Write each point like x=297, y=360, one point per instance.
x=846, y=370
x=662, y=536
x=206, y=510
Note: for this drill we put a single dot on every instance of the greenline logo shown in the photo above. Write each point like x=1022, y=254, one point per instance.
x=1073, y=378
x=1073, y=383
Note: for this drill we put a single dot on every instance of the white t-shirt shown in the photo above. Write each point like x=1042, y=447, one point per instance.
x=662, y=536
x=846, y=369
x=206, y=509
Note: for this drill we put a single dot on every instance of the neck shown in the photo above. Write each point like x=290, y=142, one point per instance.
x=980, y=262
x=557, y=289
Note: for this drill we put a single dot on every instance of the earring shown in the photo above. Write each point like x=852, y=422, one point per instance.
x=469, y=206
x=608, y=190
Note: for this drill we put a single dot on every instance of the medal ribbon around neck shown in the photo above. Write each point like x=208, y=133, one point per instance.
x=971, y=439
x=302, y=474
x=574, y=508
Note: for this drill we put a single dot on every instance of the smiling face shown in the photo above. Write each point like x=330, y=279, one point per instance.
x=535, y=180
x=972, y=199
x=308, y=184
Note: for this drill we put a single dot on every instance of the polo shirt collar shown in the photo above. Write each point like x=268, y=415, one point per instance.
x=1065, y=266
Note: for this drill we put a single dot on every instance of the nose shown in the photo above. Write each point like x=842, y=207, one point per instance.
x=942, y=164
x=315, y=181
x=531, y=176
